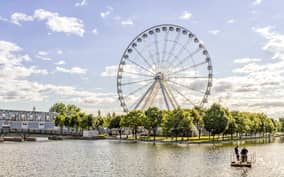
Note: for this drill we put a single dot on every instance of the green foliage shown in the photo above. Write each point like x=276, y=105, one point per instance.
x=177, y=122
x=115, y=122
x=154, y=118
x=216, y=119
x=133, y=120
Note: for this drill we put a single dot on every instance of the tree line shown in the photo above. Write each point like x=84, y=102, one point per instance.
x=216, y=120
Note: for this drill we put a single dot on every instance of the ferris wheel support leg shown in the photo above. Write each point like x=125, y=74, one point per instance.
x=164, y=94
x=145, y=94
x=151, y=96
x=170, y=96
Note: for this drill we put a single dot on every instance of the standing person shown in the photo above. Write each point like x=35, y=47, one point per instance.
x=244, y=154
x=237, y=152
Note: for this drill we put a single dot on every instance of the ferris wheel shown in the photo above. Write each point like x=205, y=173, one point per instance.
x=165, y=66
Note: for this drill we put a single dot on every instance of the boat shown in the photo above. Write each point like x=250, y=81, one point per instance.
x=238, y=163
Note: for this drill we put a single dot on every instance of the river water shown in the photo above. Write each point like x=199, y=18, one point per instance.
x=104, y=158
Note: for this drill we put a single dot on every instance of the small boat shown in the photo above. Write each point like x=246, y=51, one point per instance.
x=238, y=163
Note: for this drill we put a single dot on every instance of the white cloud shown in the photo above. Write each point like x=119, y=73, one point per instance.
x=127, y=22
x=3, y=19
x=257, y=2
x=110, y=71
x=256, y=87
x=81, y=3
x=43, y=55
x=59, y=52
x=73, y=70
x=250, y=68
x=246, y=60
x=12, y=64
x=61, y=62
x=18, y=17
x=95, y=31
x=214, y=32
x=107, y=12
x=275, y=43
x=185, y=16
x=57, y=23
x=231, y=21
x=15, y=88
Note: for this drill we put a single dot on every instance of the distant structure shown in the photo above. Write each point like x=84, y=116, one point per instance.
x=18, y=119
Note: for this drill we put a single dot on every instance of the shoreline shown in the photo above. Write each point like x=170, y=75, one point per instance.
x=140, y=140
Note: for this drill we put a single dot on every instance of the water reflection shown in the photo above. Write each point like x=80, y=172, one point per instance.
x=114, y=158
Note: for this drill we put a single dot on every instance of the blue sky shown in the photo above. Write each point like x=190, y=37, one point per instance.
x=69, y=50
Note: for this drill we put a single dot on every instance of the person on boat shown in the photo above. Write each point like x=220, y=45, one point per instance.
x=244, y=154
x=237, y=152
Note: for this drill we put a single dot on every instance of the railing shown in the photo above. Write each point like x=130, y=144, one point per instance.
x=39, y=131
x=251, y=157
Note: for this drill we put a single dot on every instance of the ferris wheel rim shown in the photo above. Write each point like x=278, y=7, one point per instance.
x=119, y=72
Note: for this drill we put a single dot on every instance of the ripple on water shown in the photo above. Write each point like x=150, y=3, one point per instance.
x=109, y=158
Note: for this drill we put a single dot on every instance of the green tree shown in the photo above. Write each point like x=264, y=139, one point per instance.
x=60, y=109
x=216, y=119
x=281, y=124
x=115, y=123
x=98, y=123
x=177, y=122
x=197, y=119
x=59, y=121
x=133, y=120
x=242, y=122
x=154, y=118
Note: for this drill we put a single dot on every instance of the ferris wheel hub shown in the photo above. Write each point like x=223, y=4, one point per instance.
x=159, y=76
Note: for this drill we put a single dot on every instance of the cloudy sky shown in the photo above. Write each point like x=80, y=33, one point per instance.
x=68, y=50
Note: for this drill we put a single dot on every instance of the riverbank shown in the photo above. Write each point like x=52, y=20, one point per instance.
x=158, y=140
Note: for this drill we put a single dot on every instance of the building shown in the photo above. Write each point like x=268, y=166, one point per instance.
x=17, y=119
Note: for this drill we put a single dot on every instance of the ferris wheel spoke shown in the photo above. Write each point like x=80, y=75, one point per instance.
x=164, y=47
x=142, y=67
x=187, y=57
x=143, y=57
x=151, y=56
x=135, y=82
x=181, y=50
x=137, y=90
x=173, y=47
x=185, y=86
x=181, y=94
x=189, y=67
x=164, y=94
x=138, y=74
x=157, y=49
x=188, y=77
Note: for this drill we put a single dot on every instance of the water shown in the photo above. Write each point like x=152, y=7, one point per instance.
x=106, y=158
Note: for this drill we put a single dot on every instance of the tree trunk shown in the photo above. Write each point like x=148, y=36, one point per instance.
x=61, y=129
x=119, y=131
x=154, y=133
x=199, y=133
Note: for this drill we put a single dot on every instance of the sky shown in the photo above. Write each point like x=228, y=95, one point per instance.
x=68, y=51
